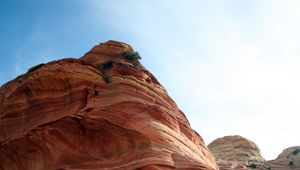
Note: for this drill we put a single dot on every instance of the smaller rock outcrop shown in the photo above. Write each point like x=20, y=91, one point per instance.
x=288, y=159
x=235, y=148
x=236, y=152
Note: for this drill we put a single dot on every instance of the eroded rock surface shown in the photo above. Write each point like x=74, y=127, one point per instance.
x=235, y=148
x=289, y=159
x=236, y=152
x=98, y=112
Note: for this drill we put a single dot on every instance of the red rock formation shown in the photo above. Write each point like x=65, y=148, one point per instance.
x=97, y=112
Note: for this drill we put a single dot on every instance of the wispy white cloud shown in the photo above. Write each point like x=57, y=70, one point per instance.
x=231, y=67
x=35, y=50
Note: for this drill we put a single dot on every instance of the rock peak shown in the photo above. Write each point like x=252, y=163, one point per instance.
x=109, y=51
x=116, y=43
x=97, y=112
x=111, y=47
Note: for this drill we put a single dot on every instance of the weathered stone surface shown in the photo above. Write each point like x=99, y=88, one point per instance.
x=96, y=112
x=236, y=152
x=235, y=148
x=231, y=165
x=288, y=159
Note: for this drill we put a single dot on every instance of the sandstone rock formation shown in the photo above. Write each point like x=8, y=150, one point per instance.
x=289, y=159
x=236, y=152
x=232, y=165
x=235, y=148
x=101, y=111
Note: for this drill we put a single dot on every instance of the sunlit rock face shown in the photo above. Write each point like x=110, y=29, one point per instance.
x=289, y=159
x=235, y=148
x=101, y=111
x=236, y=152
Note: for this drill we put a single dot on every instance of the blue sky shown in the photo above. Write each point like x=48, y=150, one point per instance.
x=232, y=66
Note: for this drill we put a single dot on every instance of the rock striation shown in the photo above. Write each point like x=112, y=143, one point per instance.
x=238, y=153
x=235, y=148
x=289, y=159
x=101, y=111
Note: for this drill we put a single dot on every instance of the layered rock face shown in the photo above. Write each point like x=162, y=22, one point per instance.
x=101, y=111
x=235, y=148
x=237, y=153
x=288, y=159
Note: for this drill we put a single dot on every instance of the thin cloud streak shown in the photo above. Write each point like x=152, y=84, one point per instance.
x=231, y=73
x=231, y=66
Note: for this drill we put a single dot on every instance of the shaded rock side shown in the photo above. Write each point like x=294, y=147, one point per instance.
x=101, y=111
x=289, y=159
